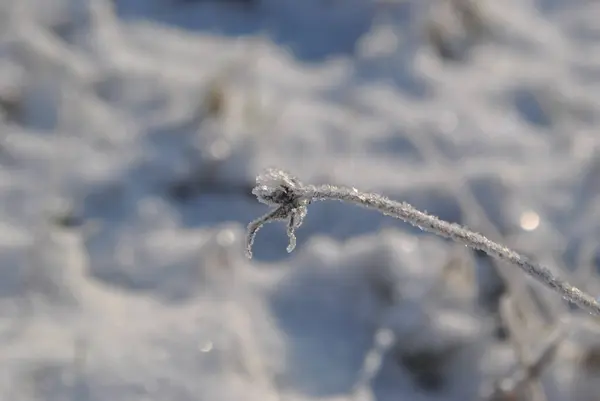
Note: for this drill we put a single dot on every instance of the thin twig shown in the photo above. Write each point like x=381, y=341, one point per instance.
x=291, y=197
x=530, y=371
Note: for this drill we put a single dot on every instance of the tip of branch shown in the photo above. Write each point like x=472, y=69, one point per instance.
x=277, y=188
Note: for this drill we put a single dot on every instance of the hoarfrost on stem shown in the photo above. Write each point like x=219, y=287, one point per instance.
x=290, y=199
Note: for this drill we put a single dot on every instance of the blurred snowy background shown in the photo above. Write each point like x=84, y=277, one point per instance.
x=131, y=133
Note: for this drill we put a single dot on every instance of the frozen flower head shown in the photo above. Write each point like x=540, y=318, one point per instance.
x=284, y=191
x=276, y=187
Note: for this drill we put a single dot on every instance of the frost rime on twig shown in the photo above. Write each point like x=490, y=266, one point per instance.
x=291, y=198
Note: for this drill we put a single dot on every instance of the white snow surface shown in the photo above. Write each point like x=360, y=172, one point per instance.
x=132, y=131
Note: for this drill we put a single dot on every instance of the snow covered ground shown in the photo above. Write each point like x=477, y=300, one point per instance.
x=131, y=134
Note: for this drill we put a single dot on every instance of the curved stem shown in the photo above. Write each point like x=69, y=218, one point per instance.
x=291, y=198
x=456, y=232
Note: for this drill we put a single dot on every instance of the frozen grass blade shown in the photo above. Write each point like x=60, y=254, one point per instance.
x=291, y=198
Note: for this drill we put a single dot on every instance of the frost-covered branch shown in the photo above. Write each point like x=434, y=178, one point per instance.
x=291, y=198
